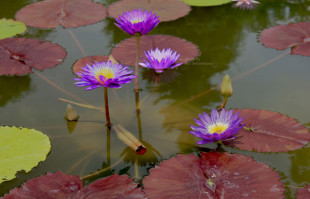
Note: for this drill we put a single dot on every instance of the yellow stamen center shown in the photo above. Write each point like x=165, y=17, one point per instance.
x=217, y=128
x=134, y=21
x=106, y=72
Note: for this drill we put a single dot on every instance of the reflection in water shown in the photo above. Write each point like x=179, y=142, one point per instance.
x=13, y=88
x=300, y=169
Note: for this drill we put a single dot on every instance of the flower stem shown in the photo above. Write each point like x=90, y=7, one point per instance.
x=223, y=104
x=108, y=146
x=107, y=113
x=138, y=114
x=137, y=64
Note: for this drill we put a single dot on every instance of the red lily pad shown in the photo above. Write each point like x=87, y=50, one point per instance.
x=68, y=13
x=215, y=175
x=296, y=35
x=125, y=51
x=267, y=131
x=19, y=55
x=167, y=10
x=59, y=185
x=303, y=193
x=88, y=60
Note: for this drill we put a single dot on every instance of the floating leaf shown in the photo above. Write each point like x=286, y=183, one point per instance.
x=21, y=149
x=10, y=27
x=58, y=185
x=296, y=35
x=215, y=175
x=125, y=51
x=267, y=131
x=303, y=193
x=88, y=60
x=68, y=13
x=206, y=2
x=19, y=55
x=167, y=10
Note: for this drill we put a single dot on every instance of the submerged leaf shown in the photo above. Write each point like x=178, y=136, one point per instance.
x=21, y=149
x=59, y=185
x=19, y=55
x=167, y=10
x=125, y=51
x=296, y=35
x=267, y=131
x=206, y=2
x=68, y=13
x=215, y=175
x=10, y=27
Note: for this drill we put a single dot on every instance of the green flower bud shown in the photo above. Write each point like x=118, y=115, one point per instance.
x=226, y=87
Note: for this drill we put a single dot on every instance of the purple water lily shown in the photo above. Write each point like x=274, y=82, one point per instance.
x=219, y=127
x=245, y=4
x=160, y=60
x=104, y=74
x=137, y=21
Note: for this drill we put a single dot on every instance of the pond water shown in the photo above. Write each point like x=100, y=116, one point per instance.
x=228, y=41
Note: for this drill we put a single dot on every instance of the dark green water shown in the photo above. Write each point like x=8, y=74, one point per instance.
x=227, y=39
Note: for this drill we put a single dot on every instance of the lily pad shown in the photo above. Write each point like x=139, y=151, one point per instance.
x=296, y=35
x=267, y=131
x=59, y=185
x=21, y=149
x=303, y=193
x=215, y=175
x=10, y=27
x=206, y=2
x=19, y=55
x=67, y=13
x=88, y=60
x=125, y=51
x=167, y=10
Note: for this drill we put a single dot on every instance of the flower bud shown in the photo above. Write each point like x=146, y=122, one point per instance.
x=71, y=115
x=226, y=87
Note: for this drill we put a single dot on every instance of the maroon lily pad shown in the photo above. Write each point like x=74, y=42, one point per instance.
x=303, y=193
x=167, y=10
x=88, y=60
x=215, y=175
x=19, y=55
x=68, y=13
x=267, y=131
x=61, y=186
x=125, y=51
x=295, y=35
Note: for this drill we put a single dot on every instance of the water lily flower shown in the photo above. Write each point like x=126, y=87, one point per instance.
x=217, y=127
x=245, y=4
x=137, y=22
x=104, y=74
x=161, y=60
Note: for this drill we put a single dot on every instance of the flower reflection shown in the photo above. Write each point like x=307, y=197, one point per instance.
x=245, y=4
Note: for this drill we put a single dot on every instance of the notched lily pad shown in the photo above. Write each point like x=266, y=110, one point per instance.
x=88, y=60
x=19, y=55
x=21, y=149
x=206, y=2
x=296, y=35
x=67, y=13
x=167, y=10
x=10, y=27
x=125, y=51
x=303, y=193
x=267, y=131
x=215, y=175
x=59, y=185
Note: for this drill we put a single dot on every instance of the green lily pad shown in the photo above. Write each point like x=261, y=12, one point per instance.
x=21, y=149
x=206, y=2
x=10, y=27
